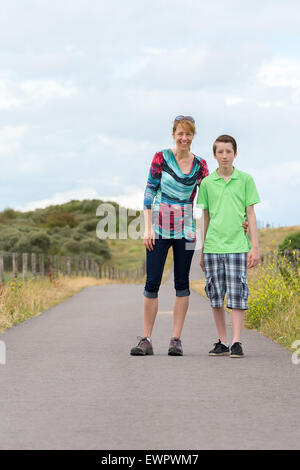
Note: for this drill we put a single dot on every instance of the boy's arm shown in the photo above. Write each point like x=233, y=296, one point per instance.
x=253, y=255
x=206, y=220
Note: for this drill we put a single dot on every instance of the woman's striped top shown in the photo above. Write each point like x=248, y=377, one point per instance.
x=170, y=194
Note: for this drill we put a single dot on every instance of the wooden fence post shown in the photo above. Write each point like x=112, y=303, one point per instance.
x=76, y=266
x=82, y=266
x=69, y=266
x=63, y=265
x=56, y=265
x=33, y=264
x=1, y=269
x=50, y=270
x=15, y=265
x=42, y=267
x=24, y=265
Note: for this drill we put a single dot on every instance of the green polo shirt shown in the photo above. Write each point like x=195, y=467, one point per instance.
x=227, y=203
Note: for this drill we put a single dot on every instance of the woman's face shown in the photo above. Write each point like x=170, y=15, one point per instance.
x=183, y=137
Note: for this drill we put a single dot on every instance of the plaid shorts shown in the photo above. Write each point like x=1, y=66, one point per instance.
x=227, y=272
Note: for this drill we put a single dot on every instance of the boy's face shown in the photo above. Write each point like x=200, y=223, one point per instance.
x=224, y=154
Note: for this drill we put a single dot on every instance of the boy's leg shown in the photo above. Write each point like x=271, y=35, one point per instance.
x=219, y=316
x=237, y=324
x=215, y=290
x=237, y=291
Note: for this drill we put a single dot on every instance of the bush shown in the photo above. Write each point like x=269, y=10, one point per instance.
x=71, y=246
x=90, y=225
x=9, y=239
x=61, y=219
x=291, y=242
x=90, y=206
x=39, y=242
x=274, y=300
x=97, y=247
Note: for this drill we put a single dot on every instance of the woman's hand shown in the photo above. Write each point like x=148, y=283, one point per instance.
x=149, y=239
x=202, y=261
x=245, y=226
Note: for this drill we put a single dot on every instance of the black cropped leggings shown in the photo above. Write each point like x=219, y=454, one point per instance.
x=183, y=251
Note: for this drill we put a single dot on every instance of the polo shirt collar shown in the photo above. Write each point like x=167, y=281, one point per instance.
x=234, y=175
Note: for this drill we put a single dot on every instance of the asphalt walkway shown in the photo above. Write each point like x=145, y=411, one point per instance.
x=70, y=383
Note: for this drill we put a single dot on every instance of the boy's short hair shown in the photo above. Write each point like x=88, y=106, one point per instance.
x=225, y=138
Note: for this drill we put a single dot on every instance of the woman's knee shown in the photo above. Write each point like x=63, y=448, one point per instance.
x=151, y=288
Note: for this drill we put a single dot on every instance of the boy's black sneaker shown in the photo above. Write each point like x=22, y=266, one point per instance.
x=236, y=350
x=144, y=348
x=219, y=350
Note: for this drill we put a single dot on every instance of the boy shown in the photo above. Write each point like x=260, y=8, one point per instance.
x=227, y=196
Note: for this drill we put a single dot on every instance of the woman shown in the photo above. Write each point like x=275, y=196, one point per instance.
x=173, y=179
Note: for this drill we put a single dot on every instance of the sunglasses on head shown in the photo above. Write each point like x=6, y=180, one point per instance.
x=189, y=118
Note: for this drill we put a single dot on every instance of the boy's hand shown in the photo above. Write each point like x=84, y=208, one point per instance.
x=202, y=261
x=245, y=226
x=253, y=257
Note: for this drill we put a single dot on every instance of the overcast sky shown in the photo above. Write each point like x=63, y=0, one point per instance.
x=89, y=90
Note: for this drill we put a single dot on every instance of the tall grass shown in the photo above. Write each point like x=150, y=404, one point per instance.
x=20, y=301
x=274, y=302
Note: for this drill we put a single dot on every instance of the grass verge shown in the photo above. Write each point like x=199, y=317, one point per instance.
x=20, y=301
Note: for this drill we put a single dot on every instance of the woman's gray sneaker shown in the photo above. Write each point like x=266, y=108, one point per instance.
x=219, y=350
x=144, y=347
x=175, y=347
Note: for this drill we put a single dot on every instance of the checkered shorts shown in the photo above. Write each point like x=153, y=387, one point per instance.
x=227, y=272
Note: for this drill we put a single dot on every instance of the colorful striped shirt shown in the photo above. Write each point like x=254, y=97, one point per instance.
x=170, y=194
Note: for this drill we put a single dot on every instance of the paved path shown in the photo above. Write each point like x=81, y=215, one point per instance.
x=70, y=383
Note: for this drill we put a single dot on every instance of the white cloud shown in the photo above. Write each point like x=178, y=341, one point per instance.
x=15, y=95
x=131, y=198
x=272, y=104
x=283, y=173
x=125, y=147
x=7, y=100
x=60, y=198
x=280, y=73
x=10, y=137
x=232, y=100
x=43, y=91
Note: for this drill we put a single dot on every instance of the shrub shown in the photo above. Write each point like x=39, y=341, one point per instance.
x=274, y=300
x=9, y=239
x=90, y=225
x=61, y=219
x=71, y=246
x=97, y=247
x=291, y=242
x=39, y=241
